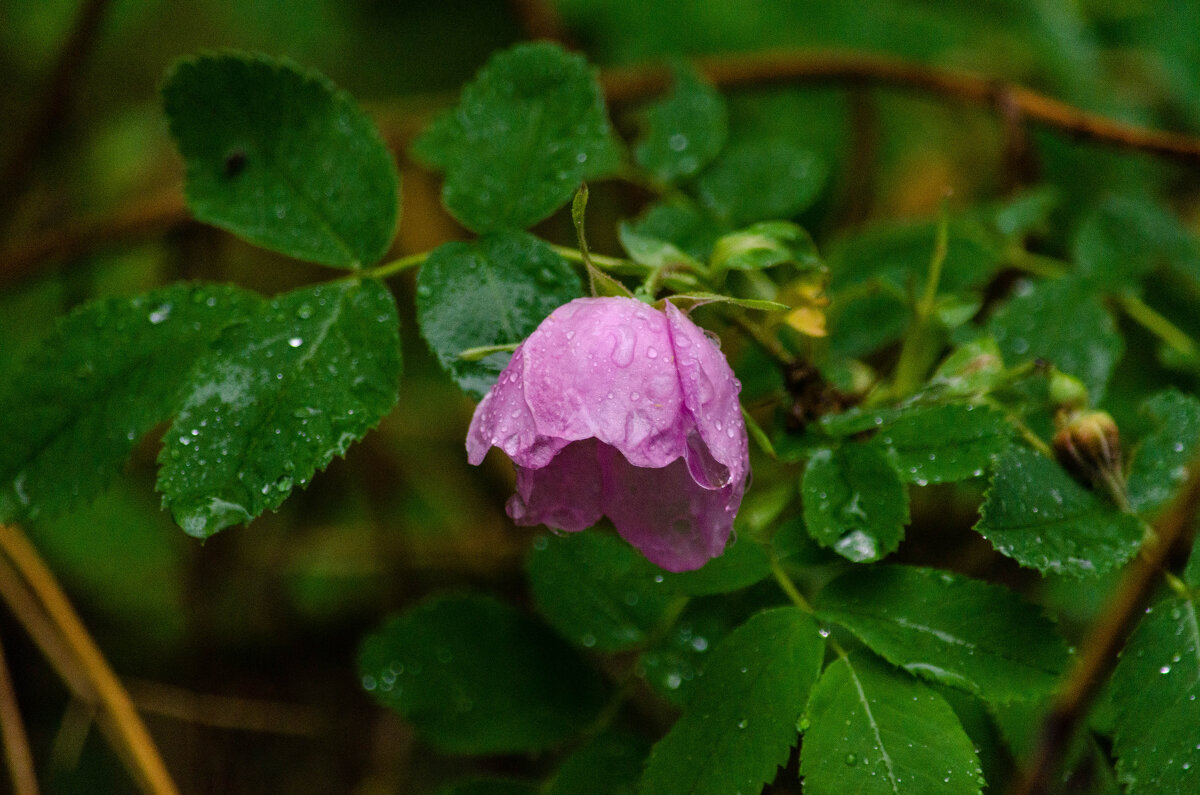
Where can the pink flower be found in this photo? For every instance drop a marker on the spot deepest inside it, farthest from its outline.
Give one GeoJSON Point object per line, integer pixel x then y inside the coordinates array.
{"type": "Point", "coordinates": [612, 408]}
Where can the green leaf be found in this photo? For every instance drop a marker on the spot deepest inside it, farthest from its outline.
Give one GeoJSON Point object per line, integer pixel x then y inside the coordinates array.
{"type": "Point", "coordinates": [741, 722]}
{"type": "Point", "coordinates": [761, 180]}
{"type": "Point", "coordinates": [651, 251]}
{"type": "Point", "coordinates": [688, 301]}
{"type": "Point", "coordinates": [474, 676]}
{"type": "Point", "coordinates": [765, 245]}
{"type": "Point", "coordinates": [597, 590]}
{"type": "Point", "coordinates": [280, 157]}
{"type": "Point", "coordinates": [950, 629]}
{"type": "Point", "coordinates": [527, 130]}
{"type": "Point", "coordinates": [1123, 238]}
{"type": "Point", "coordinates": [111, 371]}
{"type": "Point", "coordinates": [854, 501]}
{"type": "Point", "coordinates": [871, 730]}
{"type": "Point", "coordinates": [1160, 463]}
{"type": "Point", "coordinates": [610, 765]}
{"type": "Point", "coordinates": [684, 131]}
{"type": "Point", "coordinates": [1037, 515]}
{"type": "Point", "coordinates": [1156, 691]}
{"type": "Point", "coordinates": [493, 291]}
{"type": "Point", "coordinates": [1063, 322]}
{"type": "Point", "coordinates": [743, 564]}
{"type": "Point", "coordinates": [281, 394]}
{"type": "Point", "coordinates": [682, 223]}
{"type": "Point", "coordinates": [942, 444]}
{"type": "Point", "coordinates": [672, 665]}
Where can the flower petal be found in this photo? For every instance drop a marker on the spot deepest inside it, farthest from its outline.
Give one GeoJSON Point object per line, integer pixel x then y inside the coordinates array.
{"type": "Point", "coordinates": [710, 395]}
{"type": "Point", "coordinates": [605, 368]}
{"type": "Point", "coordinates": [675, 522]}
{"type": "Point", "coordinates": [503, 419]}
{"type": "Point", "coordinates": [564, 494]}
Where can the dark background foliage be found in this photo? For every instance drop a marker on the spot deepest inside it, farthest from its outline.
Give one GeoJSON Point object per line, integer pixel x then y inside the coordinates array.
{"type": "Point", "coordinates": [241, 651]}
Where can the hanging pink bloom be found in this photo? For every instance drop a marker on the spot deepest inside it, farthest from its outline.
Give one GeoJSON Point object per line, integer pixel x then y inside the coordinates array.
{"type": "Point", "coordinates": [612, 408]}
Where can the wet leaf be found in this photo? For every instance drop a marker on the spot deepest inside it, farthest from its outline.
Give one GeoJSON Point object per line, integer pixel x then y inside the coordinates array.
{"type": "Point", "coordinates": [741, 721]}
{"type": "Point", "coordinates": [1063, 322]}
{"type": "Point", "coordinates": [942, 444]}
{"type": "Point", "coordinates": [1160, 463]}
{"type": "Point", "coordinates": [761, 181]}
{"type": "Point", "coordinates": [611, 764]}
{"type": "Point", "coordinates": [112, 370]}
{"type": "Point", "coordinates": [765, 245]}
{"type": "Point", "coordinates": [474, 676]}
{"type": "Point", "coordinates": [527, 130]}
{"type": "Point", "coordinates": [1036, 514]}
{"type": "Point", "coordinates": [684, 131]}
{"type": "Point", "coordinates": [1156, 691]}
{"type": "Point", "coordinates": [597, 590]}
{"type": "Point", "coordinates": [854, 501]}
{"type": "Point", "coordinates": [873, 730]}
{"type": "Point", "coordinates": [280, 157]}
{"type": "Point", "coordinates": [493, 291]}
{"type": "Point", "coordinates": [1123, 238]}
{"type": "Point", "coordinates": [949, 629]}
{"type": "Point", "coordinates": [743, 564]}
{"type": "Point", "coordinates": [277, 398]}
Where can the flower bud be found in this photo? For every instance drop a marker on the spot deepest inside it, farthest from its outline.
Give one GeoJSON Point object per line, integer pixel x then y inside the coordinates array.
{"type": "Point", "coordinates": [1088, 445]}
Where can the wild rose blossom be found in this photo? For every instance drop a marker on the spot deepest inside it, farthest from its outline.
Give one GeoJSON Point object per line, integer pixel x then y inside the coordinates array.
{"type": "Point", "coordinates": [612, 408]}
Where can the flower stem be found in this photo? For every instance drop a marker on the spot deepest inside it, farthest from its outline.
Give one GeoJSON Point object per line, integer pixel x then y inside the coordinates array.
{"type": "Point", "coordinates": [1161, 327]}
{"type": "Point", "coordinates": [389, 269]}
{"type": "Point", "coordinates": [789, 587]}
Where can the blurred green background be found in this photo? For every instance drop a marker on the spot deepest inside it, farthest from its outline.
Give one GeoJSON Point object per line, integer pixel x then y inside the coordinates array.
{"type": "Point", "coordinates": [268, 617]}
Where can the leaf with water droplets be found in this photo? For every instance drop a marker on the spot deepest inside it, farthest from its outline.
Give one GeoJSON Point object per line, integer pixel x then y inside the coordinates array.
{"type": "Point", "coordinates": [761, 180]}
{"type": "Point", "coordinates": [854, 501]}
{"type": "Point", "coordinates": [526, 131]}
{"type": "Point", "coordinates": [942, 444]}
{"type": "Point", "coordinates": [1160, 463]}
{"type": "Point", "coordinates": [111, 371]}
{"type": "Point", "coordinates": [684, 131]}
{"type": "Point", "coordinates": [280, 157]}
{"type": "Point", "coordinates": [741, 720]}
{"type": "Point", "coordinates": [1037, 515]}
{"type": "Point", "coordinates": [597, 590]}
{"type": "Point", "coordinates": [673, 665]}
{"type": "Point", "coordinates": [276, 399]}
{"type": "Point", "coordinates": [1064, 322]}
{"type": "Point", "coordinates": [475, 676]}
{"type": "Point", "coordinates": [493, 291]}
{"type": "Point", "coordinates": [874, 730]}
{"type": "Point", "coordinates": [1156, 692]}
{"type": "Point", "coordinates": [950, 629]}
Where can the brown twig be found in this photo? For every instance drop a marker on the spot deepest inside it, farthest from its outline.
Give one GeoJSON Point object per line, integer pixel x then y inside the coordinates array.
{"type": "Point", "coordinates": [137, 221]}
{"type": "Point", "coordinates": [624, 84]}
{"type": "Point", "coordinates": [135, 744]}
{"type": "Point", "coordinates": [773, 68]}
{"type": "Point", "coordinates": [16, 745]}
{"type": "Point", "coordinates": [75, 50]}
{"type": "Point", "coordinates": [225, 712]}
{"type": "Point", "coordinates": [1173, 538]}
